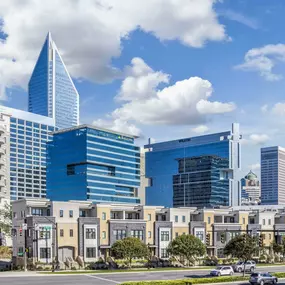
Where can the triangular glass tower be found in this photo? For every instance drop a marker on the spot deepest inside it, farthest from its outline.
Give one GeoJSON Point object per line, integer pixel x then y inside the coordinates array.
{"type": "Point", "coordinates": [51, 89]}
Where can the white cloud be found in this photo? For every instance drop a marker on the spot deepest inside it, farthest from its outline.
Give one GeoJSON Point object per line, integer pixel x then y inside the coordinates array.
{"type": "Point", "coordinates": [279, 109]}
{"type": "Point", "coordinates": [200, 129]}
{"type": "Point", "coordinates": [254, 167]}
{"type": "Point", "coordinates": [185, 102]}
{"type": "Point", "coordinates": [119, 126]}
{"type": "Point", "coordinates": [263, 60]}
{"type": "Point", "coordinates": [264, 108]}
{"type": "Point", "coordinates": [258, 139]}
{"type": "Point", "coordinates": [89, 33]}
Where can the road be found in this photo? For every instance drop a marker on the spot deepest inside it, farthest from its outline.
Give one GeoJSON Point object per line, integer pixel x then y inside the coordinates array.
{"type": "Point", "coordinates": [114, 278]}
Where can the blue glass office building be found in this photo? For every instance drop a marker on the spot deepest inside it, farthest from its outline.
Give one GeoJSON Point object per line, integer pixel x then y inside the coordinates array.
{"type": "Point", "coordinates": [26, 139]}
{"type": "Point", "coordinates": [215, 170]}
{"type": "Point", "coordinates": [90, 163]}
{"type": "Point", "coordinates": [51, 89]}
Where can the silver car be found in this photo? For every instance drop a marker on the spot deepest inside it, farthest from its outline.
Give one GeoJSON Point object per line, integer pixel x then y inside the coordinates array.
{"type": "Point", "coordinates": [262, 278]}
{"type": "Point", "coordinates": [249, 266]}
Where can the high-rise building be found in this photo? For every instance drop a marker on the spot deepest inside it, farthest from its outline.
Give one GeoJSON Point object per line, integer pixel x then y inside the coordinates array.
{"type": "Point", "coordinates": [273, 175]}
{"type": "Point", "coordinates": [144, 181]}
{"type": "Point", "coordinates": [51, 89]}
{"type": "Point", "coordinates": [201, 182]}
{"type": "Point", "coordinates": [163, 161]}
{"type": "Point", "coordinates": [250, 191]}
{"type": "Point", "coordinates": [23, 153]}
{"type": "Point", "coordinates": [91, 163]}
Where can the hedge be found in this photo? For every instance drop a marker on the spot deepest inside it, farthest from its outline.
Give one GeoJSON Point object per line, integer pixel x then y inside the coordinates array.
{"type": "Point", "coordinates": [191, 281]}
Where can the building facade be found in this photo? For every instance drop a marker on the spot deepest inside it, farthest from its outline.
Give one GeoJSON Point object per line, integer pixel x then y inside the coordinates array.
{"type": "Point", "coordinates": [90, 163]}
{"type": "Point", "coordinates": [250, 192]}
{"type": "Point", "coordinates": [273, 175]}
{"type": "Point", "coordinates": [51, 89]}
{"type": "Point", "coordinates": [165, 160]}
{"type": "Point", "coordinates": [24, 147]}
{"type": "Point", "coordinates": [80, 232]}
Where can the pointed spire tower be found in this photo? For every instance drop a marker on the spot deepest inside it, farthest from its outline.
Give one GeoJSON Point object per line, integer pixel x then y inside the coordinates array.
{"type": "Point", "coordinates": [51, 90]}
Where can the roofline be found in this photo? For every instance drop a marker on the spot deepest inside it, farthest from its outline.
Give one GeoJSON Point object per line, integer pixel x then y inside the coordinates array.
{"type": "Point", "coordinates": [94, 128]}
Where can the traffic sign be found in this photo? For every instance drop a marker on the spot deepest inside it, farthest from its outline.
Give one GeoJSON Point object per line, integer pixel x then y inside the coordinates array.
{"type": "Point", "coordinates": [24, 226]}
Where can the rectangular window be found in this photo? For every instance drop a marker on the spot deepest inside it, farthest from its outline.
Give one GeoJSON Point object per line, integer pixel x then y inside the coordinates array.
{"type": "Point", "coordinates": [149, 234]}
{"type": "Point", "coordinates": [243, 220]}
{"type": "Point", "coordinates": [61, 233]}
{"type": "Point", "coordinates": [90, 252]}
{"type": "Point", "coordinates": [209, 220]}
{"type": "Point", "coordinates": [45, 252]}
{"type": "Point", "coordinates": [149, 217]}
{"type": "Point", "coordinates": [164, 253]}
{"type": "Point", "coordinates": [37, 212]}
{"type": "Point", "coordinates": [70, 213]}
{"type": "Point", "coordinates": [263, 222]}
{"type": "Point", "coordinates": [61, 213]}
{"type": "Point", "coordinates": [183, 219]}
{"type": "Point", "coordinates": [176, 234]}
{"type": "Point", "coordinates": [269, 222]}
{"type": "Point", "coordinates": [82, 213]}
{"type": "Point", "coordinates": [176, 219]}
{"type": "Point", "coordinates": [103, 235]}
{"type": "Point", "coordinates": [120, 234]}
{"type": "Point", "coordinates": [137, 234]}
{"type": "Point", "coordinates": [71, 233]}
{"type": "Point", "coordinates": [164, 236]}
{"type": "Point", "coordinates": [104, 216]}
{"type": "Point", "coordinates": [90, 233]}
{"type": "Point", "coordinates": [200, 235]}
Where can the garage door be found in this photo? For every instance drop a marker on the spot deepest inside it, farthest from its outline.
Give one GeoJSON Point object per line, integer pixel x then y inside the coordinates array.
{"type": "Point", "coordinates": [65, 252]}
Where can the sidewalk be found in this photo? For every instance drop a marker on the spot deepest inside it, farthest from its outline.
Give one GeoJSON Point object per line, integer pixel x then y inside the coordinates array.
{"type": "Point", "coordinates": [18, 274]}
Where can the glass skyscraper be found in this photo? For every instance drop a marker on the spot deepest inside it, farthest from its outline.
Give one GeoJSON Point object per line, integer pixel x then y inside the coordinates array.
{"type": "Point", "coordinates": [90, 163]}
{"type": "Point", "coordinates": [273, 175]}
{"type": "Point", "coordinates": [219, 155]}
{"type": "Point", "coordinates": [25, 136]}
{"type": "Point", "coordinates": [51, 89]}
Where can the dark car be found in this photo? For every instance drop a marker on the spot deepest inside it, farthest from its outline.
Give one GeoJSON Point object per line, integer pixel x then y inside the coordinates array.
{"type": "Point", "coordinates": [262, 278]}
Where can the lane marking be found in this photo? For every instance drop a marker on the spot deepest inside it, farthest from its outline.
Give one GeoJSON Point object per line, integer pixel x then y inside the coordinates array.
{"type": "Point", "coordinates": [103, 279]}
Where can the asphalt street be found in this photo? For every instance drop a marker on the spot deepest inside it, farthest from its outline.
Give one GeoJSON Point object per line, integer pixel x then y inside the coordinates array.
{"type": "Point", "coordinates": [114, 278]}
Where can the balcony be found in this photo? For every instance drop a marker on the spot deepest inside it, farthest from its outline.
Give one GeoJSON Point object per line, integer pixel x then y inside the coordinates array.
{"type": "Point", "coordinates": [2, 129]}
{"type": "Point", "coordinates": [2, 150]}
{"type": "Point", "coordinates": [2, 161]}
{"type": "Point", "coordinates": [2, 140]}
{"type": "Point", "coordinates": [3, 172]}
{"type": "Point", "coordinates": [2, 183]}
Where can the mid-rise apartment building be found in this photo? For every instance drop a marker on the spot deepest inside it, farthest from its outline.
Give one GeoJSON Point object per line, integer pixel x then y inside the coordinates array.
{"type": "Point", "coordinates": [94, 164]}
{"type": "Point", "coordinates": [51, 90]}
{"type": "Point", "coordinates": [80, 231]}
{"type": "Point", "coordinates": [273, 175]}
{"type": "Point", "coordinates": [176, 170]}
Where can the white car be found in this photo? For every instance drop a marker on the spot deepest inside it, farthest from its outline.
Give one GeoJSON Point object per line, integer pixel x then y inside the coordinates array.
{"type": "Point", "coordinates": [222, 270]}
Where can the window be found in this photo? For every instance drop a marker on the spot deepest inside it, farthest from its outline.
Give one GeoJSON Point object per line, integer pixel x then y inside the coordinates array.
{"type": "Point", "coordinates": [119, 234]}
{"type": "Point", "coordinates": [61, 233]}
{"type": "Point", "coordinates": [90, 233]}
{"type": "Point", "coordinates": [71, 233]}
{"type": "Point", "coordinates": [90, 252]}
{"type": "Point", "coordinates": [164, 253]}
{"type": "Point", "coordinates": [61, 213]}
{"type": "Point", "coordinates": [176, 219]}
{"type": "Point", "coordinates": [104, 216]}
{"type": "Point", "coordinates": [45, 252]}
{"type": "Point", "coordinates": [14, 215]}
{"type": "Point", "coordinates": [176, 235]}
{"type": "Point", "coordinates": [37, 212]}
{"type": "Point", "coordinates": [149, 234]}
{"type": "Point", "coordinates": [270, 236]}
{"type": "Point", "coordinates": [48, 212]}
{"type": "Point", "coordinates": [243, 220]}
{"type": "Point", "coordinates": [209, 220]}
{"type": "Point", "coordinates": [70, 213]}
{"type": "Point", "coordinates": [82, 213]}
{"type": "Point", "coordinates": [269, 222]}
{"type": "Point", "coordinates": [44, 233]}
{"type": "Point", "coordinates": [183, 219]}
{"type": "Point", "coordinates": [149, 217]}
{"type": "Point", "coordinates": [200, 235]}
{"type": "Point", "coordinates": [137, 234]}
{"type": "Point", "coordinates": [104, 235]}
{"type": "Point", "coordinates": [263, 221]}
{"type": "Point", "coordinates": [164, 236]}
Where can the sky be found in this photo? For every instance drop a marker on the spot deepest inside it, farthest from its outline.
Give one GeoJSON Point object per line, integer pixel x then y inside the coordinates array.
{"type": "Point", "coordinates": [160, 69]}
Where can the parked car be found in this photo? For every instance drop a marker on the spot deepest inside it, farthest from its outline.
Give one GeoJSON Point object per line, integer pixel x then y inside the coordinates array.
{"type": "Point", "coordinates": [249, 266]}
{"type": "Point", "coordinates": [262, 278]}
{"type": "Point", "coordinates": [222, 270]}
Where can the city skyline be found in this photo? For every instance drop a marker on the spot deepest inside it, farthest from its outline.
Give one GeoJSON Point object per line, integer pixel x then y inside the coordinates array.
{"type": "Point", "coordinates": [215, 59]}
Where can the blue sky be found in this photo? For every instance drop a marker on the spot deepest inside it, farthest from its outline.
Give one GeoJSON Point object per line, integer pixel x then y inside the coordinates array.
{"type": "Point", "coordinates": [169, 46]}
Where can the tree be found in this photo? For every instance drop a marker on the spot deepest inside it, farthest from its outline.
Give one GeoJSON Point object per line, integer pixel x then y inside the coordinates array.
{"type": "Point", "coordinates": [6, 219]}
{"type": "Point", "coordinates": [242, 247]}
{"type": "Point", "coordinates": [129, 248]}
{"type": "Point", "coordinates": [187, 246]}
{"type": "Point", "coordinates": [279, 248]}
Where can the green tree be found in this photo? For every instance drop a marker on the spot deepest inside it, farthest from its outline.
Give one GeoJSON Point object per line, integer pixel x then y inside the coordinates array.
{"type": "Point", "coordinates": [129, 248]}
{"type": "Point", "coordinates": [6, 219]}
{"type": "Point", "coordinates": [242, 247]}
{"type": "Point", "coordinates": [188, 247]}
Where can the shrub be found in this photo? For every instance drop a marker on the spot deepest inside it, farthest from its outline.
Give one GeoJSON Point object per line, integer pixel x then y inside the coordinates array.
{"type": "Point", "coordinates": [73, 268]}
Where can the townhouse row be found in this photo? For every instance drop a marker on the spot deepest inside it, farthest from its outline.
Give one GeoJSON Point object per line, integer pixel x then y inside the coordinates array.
{"type": "Point", "coordinates": [76, 230]}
